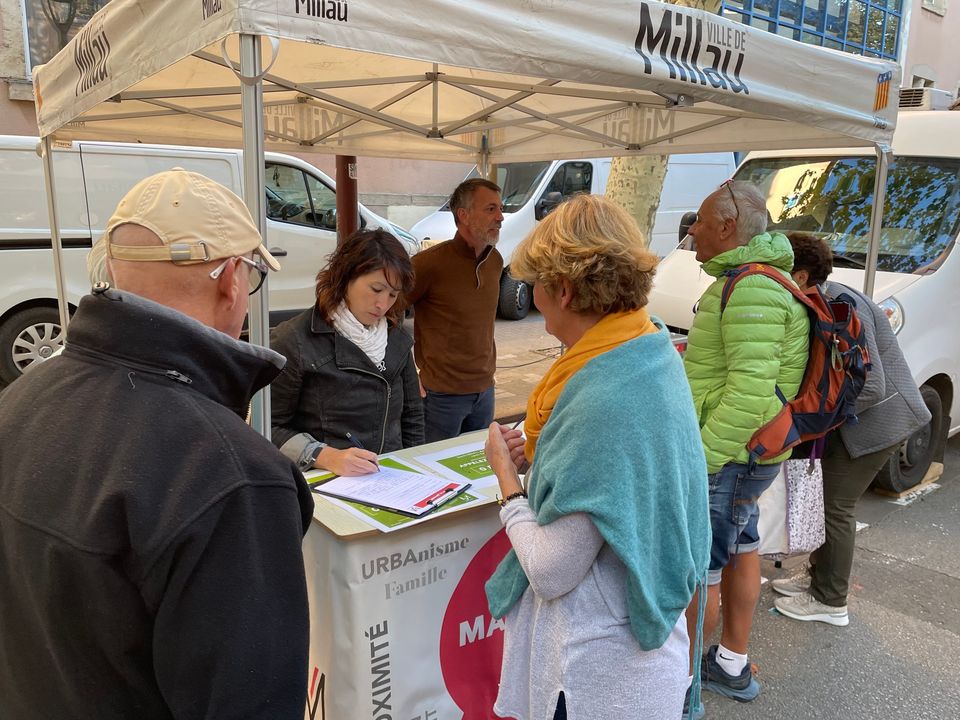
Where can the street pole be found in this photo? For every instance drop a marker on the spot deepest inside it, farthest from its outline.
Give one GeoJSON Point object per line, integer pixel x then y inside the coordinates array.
{"type": "Point", "coordinates": [347, 209]}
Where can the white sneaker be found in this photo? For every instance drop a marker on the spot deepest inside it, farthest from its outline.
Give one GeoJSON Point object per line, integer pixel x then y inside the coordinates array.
{"type": "Point", "coordinates": [806, 607]}
{"type": "Point", "coordinates": [793, 586]}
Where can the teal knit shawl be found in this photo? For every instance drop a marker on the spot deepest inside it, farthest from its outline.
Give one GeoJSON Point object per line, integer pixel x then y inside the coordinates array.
{"type": "Point", "coordinates": [623, 444]}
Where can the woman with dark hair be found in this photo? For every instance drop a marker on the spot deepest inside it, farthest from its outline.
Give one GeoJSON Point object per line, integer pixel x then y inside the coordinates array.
{"type": "Point", "coordinates": [889, 410]}
{"type": "Point", "coordinates": [349, 390]}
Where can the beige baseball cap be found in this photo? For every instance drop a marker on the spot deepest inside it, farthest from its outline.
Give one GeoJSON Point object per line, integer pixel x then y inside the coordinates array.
{"type": "Point", "coordinates": [197, 219]}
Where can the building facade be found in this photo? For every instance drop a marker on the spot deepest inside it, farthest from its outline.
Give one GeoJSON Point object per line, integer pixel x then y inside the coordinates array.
{"type": "Point", "coordinates": [871, 27]}
{"type": "Point", "coordinates": [916, 33]}
{"type": "Point", "coordinates": [931, 58]}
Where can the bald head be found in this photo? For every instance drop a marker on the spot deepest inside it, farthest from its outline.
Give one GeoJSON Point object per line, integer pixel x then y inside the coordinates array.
{"type": "Point", "coordinates": [220, 303]}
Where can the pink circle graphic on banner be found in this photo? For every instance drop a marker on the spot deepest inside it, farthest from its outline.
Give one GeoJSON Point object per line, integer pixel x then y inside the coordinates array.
{"type": "Point", "coordinates": [471, 640]}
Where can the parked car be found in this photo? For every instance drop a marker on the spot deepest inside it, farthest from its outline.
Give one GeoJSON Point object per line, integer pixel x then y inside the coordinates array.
{"type": "Point", "coordinates": [829, 192]}
{"type": "Point", "coordinates": [532, 189]}
{"type": "Point", "coordinates": [90, 180]}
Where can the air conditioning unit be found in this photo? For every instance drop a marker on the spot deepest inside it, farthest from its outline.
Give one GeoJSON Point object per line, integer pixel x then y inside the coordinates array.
{"type": "Point", "coordinates": [925, 99]}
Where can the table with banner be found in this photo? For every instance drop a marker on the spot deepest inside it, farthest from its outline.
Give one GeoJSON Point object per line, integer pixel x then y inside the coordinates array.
{"type": "Point", "coordinates": [399, 624]}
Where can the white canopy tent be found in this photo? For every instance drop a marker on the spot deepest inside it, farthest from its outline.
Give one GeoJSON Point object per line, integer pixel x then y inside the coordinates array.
{"type": "Point", "coordinates": [535, 79]}
{"type": "Point", "coordinates": [470, 81]}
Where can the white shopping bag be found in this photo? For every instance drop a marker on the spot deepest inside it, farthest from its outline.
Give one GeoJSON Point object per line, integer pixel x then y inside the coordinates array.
{"type": "Point", "coordinates": [772, 523]}
{"type": "Point", "coordinates": [791, 510]}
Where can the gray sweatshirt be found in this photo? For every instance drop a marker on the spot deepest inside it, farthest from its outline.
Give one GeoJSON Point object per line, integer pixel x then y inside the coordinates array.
{"type": "Point", "coordinates": [570, 631]}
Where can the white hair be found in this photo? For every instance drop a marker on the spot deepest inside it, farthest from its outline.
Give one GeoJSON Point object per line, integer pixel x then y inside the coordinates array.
{"type": "Point", "coordinates": [743, 202]}
{"type": "Point", "coordinates": [97, 262]}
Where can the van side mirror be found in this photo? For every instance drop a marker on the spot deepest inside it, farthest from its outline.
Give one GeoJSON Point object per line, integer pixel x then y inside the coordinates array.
{"type": "Point", "coordinates": [547, 203]}
{"type": "Point", "coordinates": [688, 219]}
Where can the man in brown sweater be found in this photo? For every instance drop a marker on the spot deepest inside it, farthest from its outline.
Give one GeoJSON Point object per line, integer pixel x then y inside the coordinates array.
{"type": "Point", "coordinates": [457, 287]}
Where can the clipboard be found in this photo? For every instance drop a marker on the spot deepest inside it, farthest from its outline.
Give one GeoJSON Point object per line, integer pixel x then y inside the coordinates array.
{"type": "Point", "coordinates": [407, 493]}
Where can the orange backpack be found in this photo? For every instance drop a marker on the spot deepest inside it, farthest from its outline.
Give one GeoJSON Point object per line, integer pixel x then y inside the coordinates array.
{"type": "Point", "coordinates": [836, 368]}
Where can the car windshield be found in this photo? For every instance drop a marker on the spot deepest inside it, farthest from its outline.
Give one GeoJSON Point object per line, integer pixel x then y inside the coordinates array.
{"type": "Point", "coordinates": [517, 182]}
{"type": "Point", "coordinates": [832, 198]}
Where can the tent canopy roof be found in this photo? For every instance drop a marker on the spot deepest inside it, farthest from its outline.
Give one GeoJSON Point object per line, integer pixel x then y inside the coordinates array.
{"type": "Point", "coordinates": [442, 80]}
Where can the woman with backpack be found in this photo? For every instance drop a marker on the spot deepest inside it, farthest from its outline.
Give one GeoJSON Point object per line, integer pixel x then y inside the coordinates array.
{"type": "Point", "coordinates": [889, 409]}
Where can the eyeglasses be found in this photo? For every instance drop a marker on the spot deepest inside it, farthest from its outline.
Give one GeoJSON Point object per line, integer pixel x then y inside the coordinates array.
{"type": "Point", "coordinates": [256, 280]}
{"type": "Point", "coordinates": [728, 184]}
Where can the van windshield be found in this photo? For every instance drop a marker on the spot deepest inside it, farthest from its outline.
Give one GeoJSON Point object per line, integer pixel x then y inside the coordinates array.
{"type": "Point", "coordinates": [832, 197]}
{"type": "Point", "coordinates": [517, 182]}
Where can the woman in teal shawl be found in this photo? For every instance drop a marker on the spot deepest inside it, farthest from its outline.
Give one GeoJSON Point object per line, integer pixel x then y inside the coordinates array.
{"type": "Point", "coordinates": [611, 537]}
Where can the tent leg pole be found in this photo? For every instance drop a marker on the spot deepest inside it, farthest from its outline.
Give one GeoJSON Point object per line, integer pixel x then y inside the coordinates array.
{"type": "Point", "coordinates": [876, 221]}
{"type": "Point", "coordinates": [46, 153]}
{"type": "Point", "coordinates": [251, 103]}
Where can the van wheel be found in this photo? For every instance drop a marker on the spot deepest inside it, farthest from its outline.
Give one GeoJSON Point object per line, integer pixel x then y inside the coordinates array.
{"type": "Point", "coordinates": [907, 467]}
{"type": "Point", "coordinates": [28, 337]}
{"type": "Point", "coordinates": [514, 298]}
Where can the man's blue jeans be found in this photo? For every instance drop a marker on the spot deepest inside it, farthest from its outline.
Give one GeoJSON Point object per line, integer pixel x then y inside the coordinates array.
{"type": "Point", "coordinates": [446, 415]}
{"type": "Point", "coordinates": [733, 512]}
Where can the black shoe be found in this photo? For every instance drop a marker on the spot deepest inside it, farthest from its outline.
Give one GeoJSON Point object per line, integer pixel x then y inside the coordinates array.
{"type": "Point", "coordinates": [743, 687]}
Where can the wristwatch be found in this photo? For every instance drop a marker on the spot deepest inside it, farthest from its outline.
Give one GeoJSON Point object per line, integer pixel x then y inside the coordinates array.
{"type": "Point", "coordinates": [316, 453]}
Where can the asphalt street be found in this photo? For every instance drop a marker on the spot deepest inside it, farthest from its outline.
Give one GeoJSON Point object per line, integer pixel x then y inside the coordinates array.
{"type": "Point", "coordinates": [899, 658]}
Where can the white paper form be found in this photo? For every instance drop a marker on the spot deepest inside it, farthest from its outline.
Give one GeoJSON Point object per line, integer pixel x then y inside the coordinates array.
{"type": "Point", "coordinates": [407, 492]}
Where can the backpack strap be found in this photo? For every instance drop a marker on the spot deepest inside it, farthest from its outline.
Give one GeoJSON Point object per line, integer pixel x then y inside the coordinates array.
{"type": "Point", "coordinates": [734, 275]}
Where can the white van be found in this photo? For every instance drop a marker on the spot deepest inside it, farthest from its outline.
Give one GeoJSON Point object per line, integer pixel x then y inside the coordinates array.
{"type": "Point", "coordinates": [531, 189]}
{"type": "Point", "coordinates": [830, 193]}
{"type": "Point", "coordinates": [90, 180]}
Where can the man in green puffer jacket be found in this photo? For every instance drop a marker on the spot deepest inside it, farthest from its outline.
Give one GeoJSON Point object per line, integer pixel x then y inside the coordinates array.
{"type": "Point", "coordinates": [735, 361]}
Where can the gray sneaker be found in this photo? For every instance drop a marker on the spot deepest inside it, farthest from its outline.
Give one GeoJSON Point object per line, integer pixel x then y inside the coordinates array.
{"type": "Point", "coordinates": [792, 586]}
{"type": "Point", "coordinates": [807, 607]}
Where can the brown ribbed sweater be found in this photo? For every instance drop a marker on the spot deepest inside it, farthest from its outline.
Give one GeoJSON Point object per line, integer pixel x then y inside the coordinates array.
{"type": "Point", "coordinates": [455, 298]}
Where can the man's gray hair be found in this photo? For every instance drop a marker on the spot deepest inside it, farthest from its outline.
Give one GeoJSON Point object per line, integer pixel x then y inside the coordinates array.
{"type": "Point", "coordinates": [743, 202]}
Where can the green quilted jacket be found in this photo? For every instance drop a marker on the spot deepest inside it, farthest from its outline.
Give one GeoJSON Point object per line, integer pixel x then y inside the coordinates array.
{"type": "Point", "coordinates": [735, 361]}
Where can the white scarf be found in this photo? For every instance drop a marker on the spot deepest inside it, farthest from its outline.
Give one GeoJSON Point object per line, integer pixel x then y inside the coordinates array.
{"type": "Point", "coordinates": [372, 340]}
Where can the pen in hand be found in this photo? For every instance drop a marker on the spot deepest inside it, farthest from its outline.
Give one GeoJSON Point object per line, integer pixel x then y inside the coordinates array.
{"type": "Point", "coordinates": [359, 445]}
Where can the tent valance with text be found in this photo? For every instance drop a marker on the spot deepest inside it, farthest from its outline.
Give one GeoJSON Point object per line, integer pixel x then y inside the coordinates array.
{"type": "Point", "coordinates": [434, 79]}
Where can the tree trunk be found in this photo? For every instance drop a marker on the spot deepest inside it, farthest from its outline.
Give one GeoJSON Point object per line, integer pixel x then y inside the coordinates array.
{"type": "Point", "coordinates": [635, 183]}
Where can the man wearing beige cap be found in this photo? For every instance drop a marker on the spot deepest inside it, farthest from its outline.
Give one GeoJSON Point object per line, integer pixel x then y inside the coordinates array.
{"type": "Point", "coordinates": [150, 541]}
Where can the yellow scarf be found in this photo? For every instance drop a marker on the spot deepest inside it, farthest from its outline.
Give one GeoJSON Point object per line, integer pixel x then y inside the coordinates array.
{"type": "Point", "coordinates": [611, 331]}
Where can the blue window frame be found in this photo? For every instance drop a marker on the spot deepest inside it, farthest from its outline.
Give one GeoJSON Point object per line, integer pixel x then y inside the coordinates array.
{"type": "Point", "coordinates": [862, 27]}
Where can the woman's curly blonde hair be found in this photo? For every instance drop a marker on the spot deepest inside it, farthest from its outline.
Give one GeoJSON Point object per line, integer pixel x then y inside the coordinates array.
{"type": "Point", "coordinates": [598, 247]}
